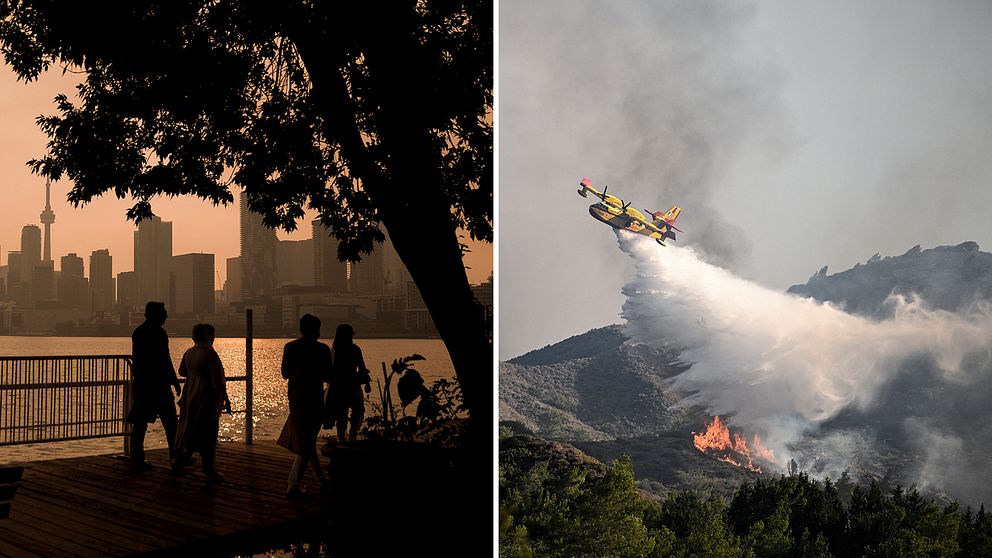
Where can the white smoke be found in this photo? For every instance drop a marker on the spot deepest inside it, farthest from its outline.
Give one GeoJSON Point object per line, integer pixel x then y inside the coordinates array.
{"type": "Point", "coordinates": [940, 453]}
{"type": "Point", "coordinates": [776, 364]}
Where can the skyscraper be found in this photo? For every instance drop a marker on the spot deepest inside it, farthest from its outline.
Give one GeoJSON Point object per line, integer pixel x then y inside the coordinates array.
{"type": "Point", "coordinates": [72, 265]}
{"type": "Point", "coordinates": [30, 247]}
{"type": "Point", "coordinates": [294, 262]}
{"type": "Point", "coordinates": [101, 281]}
{"type": "Point", "coordinates": [30, 250]}
{"type": "Point", "coordinates": [73, 290]}
{"type": "Point", "coordinates": [153, 259]}
{"type": "Point", "coordinates": [48, 218]}
{"type": "Point", "coordinates": [328, 272]}
{"type": "Point", "coordinates": [232, 286]}
{"type": "Point", "coordinates": [395, 275]}
{"type": "Point", "coordinates": [194, 281]}
{"type": "Point", "coordinates": [367, 277]}
{"type": "Point", "coordinates": [15, 287]}
{"type": "Point", "coordinates": [30, 258]}
{"type": "Point", "coordinates": [43, 282]}
{"type": "Point", "coordinates": [128, 293]}
{"type": "Point", "coordinates": [258, 256]}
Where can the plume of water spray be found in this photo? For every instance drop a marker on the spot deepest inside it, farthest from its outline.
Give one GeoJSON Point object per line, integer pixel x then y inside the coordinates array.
{"type": "Point", "coordinates": [781, 365]}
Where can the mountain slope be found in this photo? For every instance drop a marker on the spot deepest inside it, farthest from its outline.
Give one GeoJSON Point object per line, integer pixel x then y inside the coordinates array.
{"type": "Point", "coordinates": [950, 278]}
{"type": "Point", "coordinates": [593, 386]}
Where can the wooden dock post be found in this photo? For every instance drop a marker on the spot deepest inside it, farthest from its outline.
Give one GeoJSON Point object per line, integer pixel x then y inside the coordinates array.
{"type": "Point", "coordinates": [249, 423]}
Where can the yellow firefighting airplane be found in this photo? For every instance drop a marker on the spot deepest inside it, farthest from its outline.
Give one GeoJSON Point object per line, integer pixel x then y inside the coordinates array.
{"type": "Point", "coordinates": [614, 212]}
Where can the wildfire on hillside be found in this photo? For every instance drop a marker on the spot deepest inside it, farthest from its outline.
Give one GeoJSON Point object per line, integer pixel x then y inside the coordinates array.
{"type": "Point", "coordinates": [732, 447]}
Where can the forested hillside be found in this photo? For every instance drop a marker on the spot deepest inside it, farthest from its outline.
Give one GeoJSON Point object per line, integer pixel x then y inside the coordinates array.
{"type": "Point", "coordinates": [557, 502]}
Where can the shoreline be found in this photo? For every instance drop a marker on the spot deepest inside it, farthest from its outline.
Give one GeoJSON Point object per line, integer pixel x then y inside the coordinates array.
{"type": "Point", "coordinates": [175, 334]}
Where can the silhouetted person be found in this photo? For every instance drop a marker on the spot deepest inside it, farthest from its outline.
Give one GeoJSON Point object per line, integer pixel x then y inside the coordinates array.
{"type": "Point", "coordinates": [154, 380]}
{"type": "Point", "coordinates": [203, 400]}
{"type": "Point", "coordinates": [306, 363]}
{"type": "Point", "coordinates": [348, 375]}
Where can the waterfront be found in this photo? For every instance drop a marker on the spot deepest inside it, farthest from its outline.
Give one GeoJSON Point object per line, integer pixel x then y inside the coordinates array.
{"type": "Point", "coordinates": [270, 406]}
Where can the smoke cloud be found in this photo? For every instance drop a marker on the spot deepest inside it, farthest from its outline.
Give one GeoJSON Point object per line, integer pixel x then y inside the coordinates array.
{"type": "Point", "coordinates": [660, 101]}
{"type": "Point", "coordinates": [783, 366]}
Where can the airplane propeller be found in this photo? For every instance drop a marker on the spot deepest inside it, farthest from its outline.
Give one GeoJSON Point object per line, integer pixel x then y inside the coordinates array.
{"type": "Point", "coordinates": [602, 195]}
{"type": "Point", "coordinates": [625, 205]}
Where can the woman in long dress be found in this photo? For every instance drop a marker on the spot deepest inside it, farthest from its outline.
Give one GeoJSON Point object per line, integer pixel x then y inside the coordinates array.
{"type": "Point", "coordinates": [349, 374]}
{"type": "Point", "coordinates": [203, 399]}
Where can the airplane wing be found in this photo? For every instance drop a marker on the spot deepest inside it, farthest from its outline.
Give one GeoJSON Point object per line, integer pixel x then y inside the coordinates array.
{"type": "Point", "coordinates": [640, 219]}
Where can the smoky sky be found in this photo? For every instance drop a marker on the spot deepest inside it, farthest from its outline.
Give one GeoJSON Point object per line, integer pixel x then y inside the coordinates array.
{"type": "Point", "coordinates": [101, 224]}
{"type": "Point", "coordinates": [794, 135]}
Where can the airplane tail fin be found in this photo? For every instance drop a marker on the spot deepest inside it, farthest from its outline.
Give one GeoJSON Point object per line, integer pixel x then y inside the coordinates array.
{"type": "Point", "coordinates": [585, 185]}
{"type": "Point", "coordinates": [668, 217]}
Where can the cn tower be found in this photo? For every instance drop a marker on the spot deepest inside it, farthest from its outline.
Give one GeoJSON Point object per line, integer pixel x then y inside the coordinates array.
{"type": "Point", "coordinates": [47, 218]}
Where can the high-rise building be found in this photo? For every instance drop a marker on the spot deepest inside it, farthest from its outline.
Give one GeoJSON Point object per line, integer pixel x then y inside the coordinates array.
{"type": "Point", "coordinates": [483, 293]}
{"type": "Point", "coordinates": [328, 272]}
{"type": "Point", "coordinates": [72, 289]}
{"type": "Point", "coordinates": [101, 281]}
{"type": "Point", "coordinates": [367, 277]}
{"type": "Point", "coordinates": [30, 247]}
{"type": "Point", "coordinates": [394, 275]}
{"type": "Point", "coordinates": [194, 283]}
{"type": "Point", "coordinates": [15, 287]}
{"type": "Point", "coordinates": [48, 218]}
{"type": "Point", "coordinates": [72, 265]}
{"type": "Point", "coordinates": [258, 256]}
{"type": "Point", "coordinates": [30, 252]}
{"type": "Point", "coordinates": [73, 292]}
{"type": "Point", "coordinates": [128, 293]}
{"type": "Point", "coordinates": [232, 286]}
{"type": "Point", "coordinates": [153, 259]}
{"type": "Point", "coordinates": [294, 262]}
{"type": "Point", "coordinates": [43, 282]}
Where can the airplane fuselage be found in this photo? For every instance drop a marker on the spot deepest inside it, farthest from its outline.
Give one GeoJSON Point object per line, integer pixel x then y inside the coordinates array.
{"type": "Point", "coordinates": [619, 218]}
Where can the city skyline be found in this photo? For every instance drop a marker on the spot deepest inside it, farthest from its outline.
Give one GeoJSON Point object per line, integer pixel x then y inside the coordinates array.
{"type": "Point", "coordinates": [279, 279]}
{"type": "Point", "coordinates": [92, 227]}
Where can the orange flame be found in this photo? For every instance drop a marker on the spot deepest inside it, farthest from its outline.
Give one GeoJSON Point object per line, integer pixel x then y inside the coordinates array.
{"type": "Point", "coordinates": [732, 448]}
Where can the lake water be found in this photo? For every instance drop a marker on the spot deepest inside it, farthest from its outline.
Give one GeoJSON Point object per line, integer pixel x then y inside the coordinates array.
{"type": "Point", "coordinates": [270, 405]}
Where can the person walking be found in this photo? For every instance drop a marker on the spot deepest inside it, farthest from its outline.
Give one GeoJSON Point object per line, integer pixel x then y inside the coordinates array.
{"type": "Point", "coordinates": [348, 375]}
{"type": "Point", "coordinates": [154, 378]}
{"type": "Point", "coordinates": [306, 363]}
{"type": "Point", "coordinates": [202, 401]}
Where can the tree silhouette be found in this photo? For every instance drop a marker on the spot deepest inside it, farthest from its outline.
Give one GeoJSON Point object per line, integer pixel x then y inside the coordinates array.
{"type": "Point", "coordinates": [368, 113]}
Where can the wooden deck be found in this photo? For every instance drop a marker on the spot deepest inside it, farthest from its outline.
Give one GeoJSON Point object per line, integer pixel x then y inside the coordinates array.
{"type": "Point", "coordinates": [96, 506]}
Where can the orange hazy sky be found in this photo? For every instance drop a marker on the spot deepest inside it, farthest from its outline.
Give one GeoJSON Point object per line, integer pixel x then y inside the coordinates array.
{"type": "Point", "coordinates": [102, 223]}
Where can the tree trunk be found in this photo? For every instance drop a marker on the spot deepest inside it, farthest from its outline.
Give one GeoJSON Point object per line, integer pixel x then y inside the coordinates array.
{"type": "Point", "coordinates": [409, 194]}
{"type": "Point", "coordinates": [426, 241]}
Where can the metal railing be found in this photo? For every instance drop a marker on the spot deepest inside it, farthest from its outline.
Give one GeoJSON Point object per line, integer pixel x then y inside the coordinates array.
{"type": "Point", "coordinates": [58, 398]}
{"type": "Point", "coordinates": [55, 398]}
